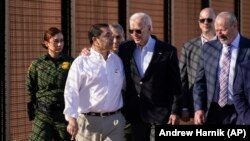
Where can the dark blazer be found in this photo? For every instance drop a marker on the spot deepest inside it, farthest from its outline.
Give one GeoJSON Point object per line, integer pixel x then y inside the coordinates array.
{"type": "Point", "coordinates": [154, 96]}
{"type": "Point", "coordinates": [242, 93]}
{"type": "Point", "coordinates": [188, 62]}
{"type": "Point", "coordinates": [206, 78]}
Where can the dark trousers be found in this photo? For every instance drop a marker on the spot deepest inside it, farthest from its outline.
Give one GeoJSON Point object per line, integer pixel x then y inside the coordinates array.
{"type": "Point", "coordinates": [221, 115]}
{"type": "Point", "coordinates": [128, 132]}
{"type": "Point", "coordinates": [142, 131]}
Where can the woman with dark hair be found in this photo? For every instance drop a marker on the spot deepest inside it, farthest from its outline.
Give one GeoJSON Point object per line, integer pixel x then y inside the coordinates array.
{"type": "Point", "coordinates": [45, 85]}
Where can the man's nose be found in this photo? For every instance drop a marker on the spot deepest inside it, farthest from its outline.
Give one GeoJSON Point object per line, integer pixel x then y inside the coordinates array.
{"type": "Point", "coordinates": [115, 40]}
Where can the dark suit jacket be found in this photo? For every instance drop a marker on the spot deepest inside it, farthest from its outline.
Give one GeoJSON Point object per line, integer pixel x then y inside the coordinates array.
{"type": "Point", "coordinates": [189, 58]}
{"type": "Point", "coordinates": [206, 78]}
{"type": "Point", "coordinates": [154, 96]}
{"type": "Point", "coordinates": [242, 93]}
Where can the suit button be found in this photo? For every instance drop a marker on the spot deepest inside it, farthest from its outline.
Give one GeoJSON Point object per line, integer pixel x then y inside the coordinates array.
{"type": "Point", "coordinates": [138, 95]}
{"type": "Point", "coordinates": [141, 82]}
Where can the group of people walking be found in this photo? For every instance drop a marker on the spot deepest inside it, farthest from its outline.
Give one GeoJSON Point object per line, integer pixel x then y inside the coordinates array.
{"type": "Point", "coordinates": [120, 90]}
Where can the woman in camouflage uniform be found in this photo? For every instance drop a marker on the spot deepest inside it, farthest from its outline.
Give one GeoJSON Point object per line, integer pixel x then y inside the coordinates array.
{"type": "Point", "coordinates": [45, 85]}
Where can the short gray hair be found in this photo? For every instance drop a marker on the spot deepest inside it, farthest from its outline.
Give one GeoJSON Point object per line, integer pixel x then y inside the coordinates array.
{"type": "Point", "coordinates": [118, 27]}
{"type": "Point", "coordinates": [230, 17]}
{"type": "Point", "coordinates": [145, 18]}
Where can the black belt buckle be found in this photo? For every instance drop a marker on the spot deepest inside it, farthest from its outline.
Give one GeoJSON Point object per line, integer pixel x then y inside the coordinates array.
{"type": "Point", "coordinates": [101, 114]}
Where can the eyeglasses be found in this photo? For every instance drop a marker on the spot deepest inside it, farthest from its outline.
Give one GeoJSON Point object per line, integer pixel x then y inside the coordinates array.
{"type": "Point", "coordinates": [138, 31]}
{"type": "Point", "coordinates": [208, 20]}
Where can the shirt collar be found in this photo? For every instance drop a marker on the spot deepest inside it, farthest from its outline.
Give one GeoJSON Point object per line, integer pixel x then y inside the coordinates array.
{"type": "Point", "coordinates": [48, 57]}
{"type": "Point", "coordinates": [204, 40]}
{"type": "Point", "coordinates": [97, 54]}
{"type": "Point", "coordinates": [236, 41]}
{"type": "Point", "coordinates": [150, 45]}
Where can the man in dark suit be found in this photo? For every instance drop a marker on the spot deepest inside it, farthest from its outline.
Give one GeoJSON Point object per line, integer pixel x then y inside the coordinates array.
{"type": "Point", "coordinates": [242, 93]}
{"type": "Point", "coordinates": [152, 92]}
{"type": "Point", "coordinates": [189, 58]}
{"type": "Point", "coordinates": [209, 86]}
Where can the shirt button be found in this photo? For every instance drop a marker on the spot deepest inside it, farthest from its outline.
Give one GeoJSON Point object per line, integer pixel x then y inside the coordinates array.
{"type": "Point", "coordinates": [138, 95]}
{"type": "Point", "coordinates": [141, 82]}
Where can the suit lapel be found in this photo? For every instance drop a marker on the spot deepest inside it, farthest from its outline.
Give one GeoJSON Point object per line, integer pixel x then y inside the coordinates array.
{"type": "Point", "coordinates": [242, 50]}
{"type": "Point", "coordinates": [135, 75]}
{"type": "Point", "coordinates": [215, 52]}
{"type": "Point", "coordinates": [216, 59]}
{"type": "Point", "coordinates": [134, 68]}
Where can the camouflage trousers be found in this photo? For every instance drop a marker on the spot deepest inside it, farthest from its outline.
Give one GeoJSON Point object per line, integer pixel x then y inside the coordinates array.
{"type": "Point", "coordinates": [45, 128]}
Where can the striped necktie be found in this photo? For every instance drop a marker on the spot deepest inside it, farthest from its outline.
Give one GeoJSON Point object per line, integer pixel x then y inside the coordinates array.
{"type": "Point", "coordinates": [224, 77]}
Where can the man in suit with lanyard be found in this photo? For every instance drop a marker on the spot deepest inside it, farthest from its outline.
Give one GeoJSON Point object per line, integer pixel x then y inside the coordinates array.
{"type": "Point", "coordinates": [213, 95]}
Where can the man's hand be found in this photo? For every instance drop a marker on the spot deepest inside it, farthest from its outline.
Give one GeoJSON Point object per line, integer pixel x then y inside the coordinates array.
{"type": "Point", "coordinates": [72, 127]}
{"type": "Point", "coordinates": [173, 119]}
{"type": "Point", "coordinates": [199, 117]}
{"type": "Point", "coordinates": [85, 52]}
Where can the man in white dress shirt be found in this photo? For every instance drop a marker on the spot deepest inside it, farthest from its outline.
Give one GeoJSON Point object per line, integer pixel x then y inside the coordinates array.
{"type": "Point", "coordinates": [92, 95]}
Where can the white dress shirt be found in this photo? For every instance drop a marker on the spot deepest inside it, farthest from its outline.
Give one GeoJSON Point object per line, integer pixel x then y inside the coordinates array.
{"type": "Point", "coordinates": [204, 40]}
{"type": "Point", "coordinates": [94, 84]}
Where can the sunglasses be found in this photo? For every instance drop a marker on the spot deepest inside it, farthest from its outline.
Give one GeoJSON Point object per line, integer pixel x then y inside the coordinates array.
{"type": "Point", "coordinates": [138, 31]}
{"type": "Point", "coordinates": [208, 20]}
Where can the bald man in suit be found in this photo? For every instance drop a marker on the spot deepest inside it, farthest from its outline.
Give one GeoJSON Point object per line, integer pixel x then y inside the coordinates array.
{"type": "Point", "coordinates": [189, 58]}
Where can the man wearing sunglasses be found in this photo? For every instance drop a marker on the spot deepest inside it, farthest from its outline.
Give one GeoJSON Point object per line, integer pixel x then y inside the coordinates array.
{"type": "Point", "coordinates": [189, 58]}
{"type": "Point", "coordinates": [152, 92]}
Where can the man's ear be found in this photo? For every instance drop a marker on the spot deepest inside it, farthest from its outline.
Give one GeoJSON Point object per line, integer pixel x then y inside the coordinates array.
{"type": "Point", "coordinates": [94, 39]}
{"type": "Point", "coordinates": [149, 29]}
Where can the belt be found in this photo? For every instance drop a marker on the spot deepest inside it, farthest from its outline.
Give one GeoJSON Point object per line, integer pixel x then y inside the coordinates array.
{"type": "Point", "coordinates": [102, 114]}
